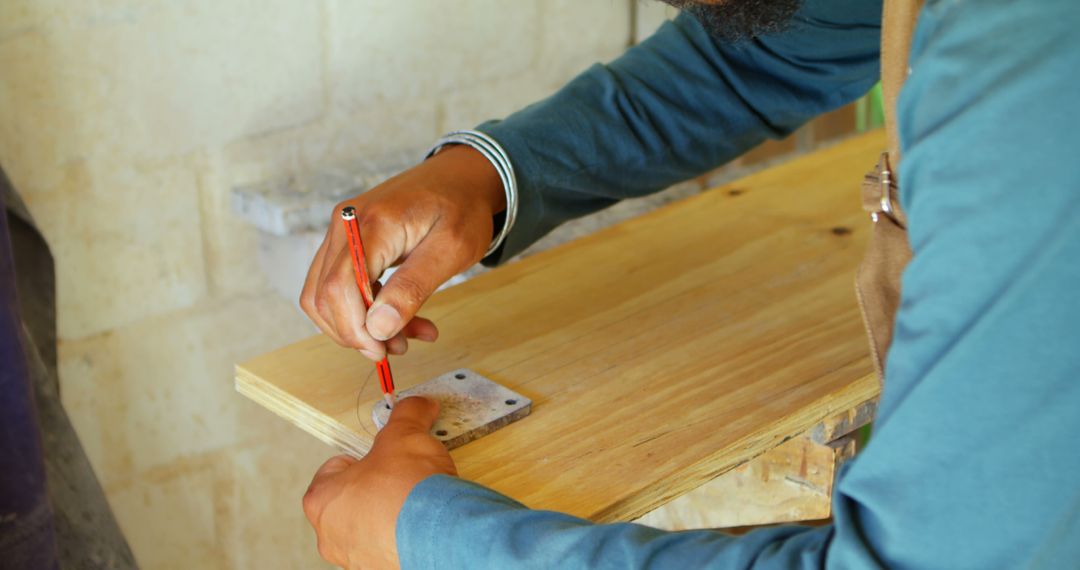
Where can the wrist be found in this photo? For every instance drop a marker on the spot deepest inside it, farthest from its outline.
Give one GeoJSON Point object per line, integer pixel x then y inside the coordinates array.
{"type": "Point", "coordinates": [474, 174]}
{"type": "Point", "coordinates": [494, 153]}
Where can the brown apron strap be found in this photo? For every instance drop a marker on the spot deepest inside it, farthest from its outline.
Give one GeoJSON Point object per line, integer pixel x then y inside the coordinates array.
{"type": "Point", "coordinates": [897, 27]}
{"type": "Point", "coordinates": [877, 284]}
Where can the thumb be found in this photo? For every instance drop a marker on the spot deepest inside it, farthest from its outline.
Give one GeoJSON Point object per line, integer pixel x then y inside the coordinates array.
{"type": "Point", "coordinates": [411, 415]}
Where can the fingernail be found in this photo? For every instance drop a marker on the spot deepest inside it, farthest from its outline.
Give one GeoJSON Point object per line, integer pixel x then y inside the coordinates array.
{"type": "Point", "coordinates": [383, 322]}
{"type": "Point", "coordinates": [370, 355]}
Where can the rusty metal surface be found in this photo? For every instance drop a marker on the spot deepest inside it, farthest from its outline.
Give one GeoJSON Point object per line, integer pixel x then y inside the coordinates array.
{"type": "Point", "coordinates": [472, 406]}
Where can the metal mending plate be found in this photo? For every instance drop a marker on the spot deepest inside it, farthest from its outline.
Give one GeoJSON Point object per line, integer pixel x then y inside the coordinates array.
{"type": "Point", "coordinates": [471, 406]}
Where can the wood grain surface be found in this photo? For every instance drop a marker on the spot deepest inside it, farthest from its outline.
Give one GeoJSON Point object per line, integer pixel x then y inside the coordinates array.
{"type": "Point", "coordinates": [659, 353]}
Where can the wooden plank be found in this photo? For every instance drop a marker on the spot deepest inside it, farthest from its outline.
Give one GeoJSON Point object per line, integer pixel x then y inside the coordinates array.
{"type": "Point", "coordinates": [658, 353]}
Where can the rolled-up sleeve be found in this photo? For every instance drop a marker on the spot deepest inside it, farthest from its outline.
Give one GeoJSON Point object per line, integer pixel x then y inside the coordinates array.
{"type": "Point", "coordinates": [451, 523]}
{"type": "Point", "coordinates": [679, 105]}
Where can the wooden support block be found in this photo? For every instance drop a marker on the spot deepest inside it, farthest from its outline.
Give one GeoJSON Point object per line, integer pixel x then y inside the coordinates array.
{"type": "Point", "coordinates": [789, 483]}
{"type": "Point", "coordinates": [839, 425]}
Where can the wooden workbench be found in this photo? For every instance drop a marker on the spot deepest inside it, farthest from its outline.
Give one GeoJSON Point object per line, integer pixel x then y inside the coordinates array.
{"type": "Point", "coordinates": [701, 365]}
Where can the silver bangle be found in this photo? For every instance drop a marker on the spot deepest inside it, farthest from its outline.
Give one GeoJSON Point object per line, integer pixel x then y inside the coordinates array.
{"type": "Point", "coordinates": [498, 158]}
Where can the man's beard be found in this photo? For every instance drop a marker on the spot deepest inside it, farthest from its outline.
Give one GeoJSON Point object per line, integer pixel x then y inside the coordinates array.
{"type": "Point", "coordinates": [736, 20]}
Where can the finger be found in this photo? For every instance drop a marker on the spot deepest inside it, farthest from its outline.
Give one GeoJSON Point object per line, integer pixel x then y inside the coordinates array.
{"type": "Point", "coordinates": [423, 271]}
{"type": "Point", "coordinates": [411, 415]}
{"type": "Point", "coordinates": [385, 241]}
{"type": "Point", "coordinates": [308, 294]}
{"type": "Point", "coordinates": [347, 310]}
{"type": "Point", "coordinates": [418, 328]}
{"type": "Point", "coordinates": [421, 329]}
{"type": "Point", "coordinates": [329, 285]}
{"type": "Point", "coordinates": [397, 345]}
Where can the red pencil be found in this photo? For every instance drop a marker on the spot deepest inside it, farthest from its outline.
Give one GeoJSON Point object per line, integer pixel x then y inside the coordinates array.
{"type": "Point", "coordinates": [356, 248]}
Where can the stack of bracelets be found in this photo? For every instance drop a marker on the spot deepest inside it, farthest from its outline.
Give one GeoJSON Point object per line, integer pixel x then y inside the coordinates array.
{"type": "Point", "coordinates": [495, 154]}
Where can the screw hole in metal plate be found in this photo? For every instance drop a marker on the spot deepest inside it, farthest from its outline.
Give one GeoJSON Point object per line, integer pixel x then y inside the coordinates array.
{"type": "Point", "coordinates": [511, 402]}
{"type": "Point", "coordinates": [459, 376]}
{"type": "Point", "coordinates": [441, 432]}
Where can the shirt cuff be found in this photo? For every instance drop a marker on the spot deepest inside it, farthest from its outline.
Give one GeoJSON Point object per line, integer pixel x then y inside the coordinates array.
{"type": "Point", "coordinates": [529, 226]}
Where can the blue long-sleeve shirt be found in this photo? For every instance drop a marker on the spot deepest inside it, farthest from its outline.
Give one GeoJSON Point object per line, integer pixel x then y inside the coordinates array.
{"type": "Point", "coordinates": [974, 461]}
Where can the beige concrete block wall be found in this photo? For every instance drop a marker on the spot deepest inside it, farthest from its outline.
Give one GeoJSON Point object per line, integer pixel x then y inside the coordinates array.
{"type": "Point", "coordinates": [125, 123]}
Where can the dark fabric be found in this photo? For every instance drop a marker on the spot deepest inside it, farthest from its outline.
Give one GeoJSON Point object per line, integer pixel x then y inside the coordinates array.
{"type": "Point", "coordinates": [27, 538]}
{"type": "Point", "coordinates": [35, 283]}
{"type": "Point", "coordinates": [70, 524]}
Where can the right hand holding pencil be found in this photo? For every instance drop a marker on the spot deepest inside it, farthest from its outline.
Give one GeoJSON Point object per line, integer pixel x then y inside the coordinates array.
{"type": "Point", "coordinates": [434, 220]}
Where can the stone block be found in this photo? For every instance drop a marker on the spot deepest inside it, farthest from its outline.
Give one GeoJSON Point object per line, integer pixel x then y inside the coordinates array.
{"type": "Point", "coordinates": [169, 517]}
{"type": "Point", "coordinates": [164, 78]}
{"type": "Point", "coordinates": [382, 52]}
{"type": "Point", "coordinates": [285, 261]}
{"type": "Point", "coordinates": [650, 16]}
{"type": "Point", "coordinates": [238, 507]}
{"type": "Point", "coordinates": [126, 240]}
{"type": "Point", "coordinates": [17, 17]}
{"type": "Point", "coordinates": [372, 136]}
{"type": "Point", "coordinates": [262, 520]}
{"type": "Point", "coordinates": [469, 106]}
{"type": "Point", "coordinates": [579, 33]}
{"type": "Point", "coordinates": [304, 201]}
{"type": "Point", "coordinates": [574, 35]}
{"type": "Point", "coordinates": [38, 123]}
{"type": "Point", "coordinates": [162, 388]}
{"type": "Point", "coordinates": [229, 244]}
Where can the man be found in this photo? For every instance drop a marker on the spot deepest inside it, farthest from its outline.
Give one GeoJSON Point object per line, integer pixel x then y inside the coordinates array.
{"type": "Point", "coordinates": [974, 459]}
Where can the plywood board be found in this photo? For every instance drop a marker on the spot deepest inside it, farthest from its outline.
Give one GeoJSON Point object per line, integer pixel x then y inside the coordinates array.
{"type": "Point", "coordinates": [658, 353]}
